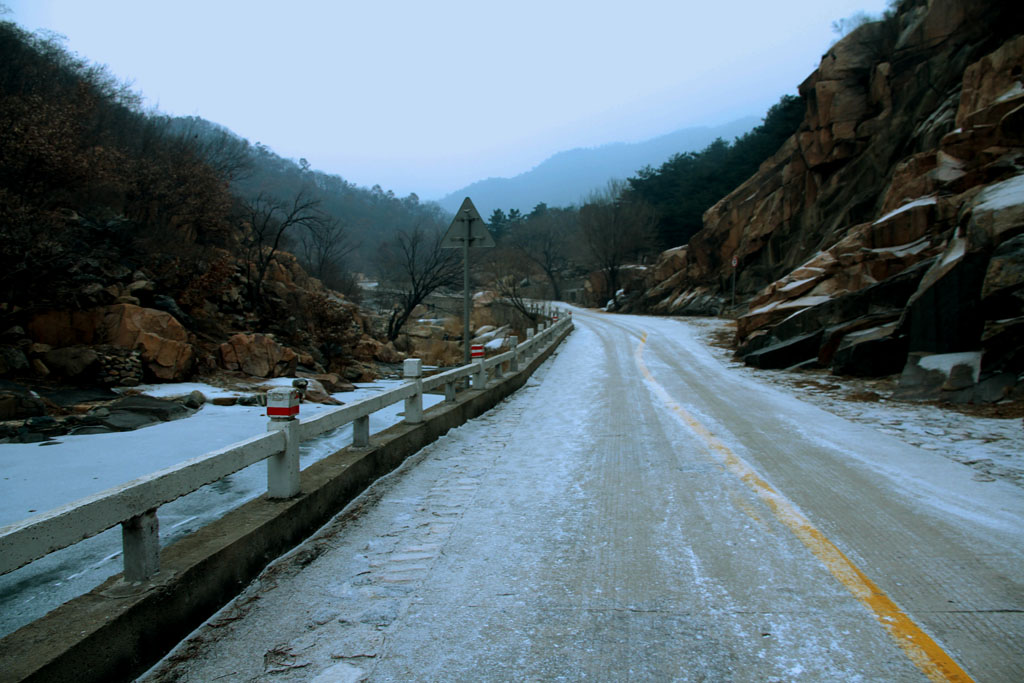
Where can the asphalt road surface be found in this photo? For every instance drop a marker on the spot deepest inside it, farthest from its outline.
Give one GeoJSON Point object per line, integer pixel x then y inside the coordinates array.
{"type": "Point", "coordinates": [638, 512]}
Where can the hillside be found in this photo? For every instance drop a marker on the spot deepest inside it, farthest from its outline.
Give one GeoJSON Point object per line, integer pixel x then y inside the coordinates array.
{"type": "Point", "coordinates": [567, 177]}
{"type": "Point", "coordinates": [886, 234]}
{"type": "Point", "coordinates": [136, 247]}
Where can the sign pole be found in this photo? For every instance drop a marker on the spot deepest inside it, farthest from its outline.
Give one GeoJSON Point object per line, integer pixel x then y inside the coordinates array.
{"type": "Point", "coordinates": [466, 303]}
{"type": "Point", "coordinates": [735, 262]}
{"type": "Point", "coordinates": [460, 234]}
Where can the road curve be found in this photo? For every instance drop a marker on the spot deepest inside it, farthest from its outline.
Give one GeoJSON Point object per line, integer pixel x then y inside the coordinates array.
{"type": "Point", "coordinates": [640, 512]}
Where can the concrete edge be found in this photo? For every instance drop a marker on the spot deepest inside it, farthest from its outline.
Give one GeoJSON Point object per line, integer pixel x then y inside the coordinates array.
{"type": "Point", "coordinates": [119, 630]}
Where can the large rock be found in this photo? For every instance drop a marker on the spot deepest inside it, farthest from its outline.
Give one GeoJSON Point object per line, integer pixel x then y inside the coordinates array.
{"type": "Point", "coordinates": [786, 353]}
{"type": "Point", "coordinates": [76, 363]}
{"type": "Point", "coordinates": [12, 361]}
{"type": "Point", "coordinates": [258, 355]}
{"type": "Point", "coordinates": [1002, 292]}
{"type": "Point", "coordinates": [944, 314]}
{"type": "Point", "coordinates": [986, 81]}
{"type": "Point", "coordinates": [997, 213]}
{"type": "Point", "coordinates": [161, 339]}
{"type": "Point", "coordinates": [944, 376]}
{"type": "Point", "coordinates": [874, 352]}
{"type": "Point", "coordinates": [17, 403]}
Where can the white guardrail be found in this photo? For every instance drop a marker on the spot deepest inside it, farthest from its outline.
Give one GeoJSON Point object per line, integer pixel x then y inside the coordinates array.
{"type": "Point", "coordinates": [134, 504]}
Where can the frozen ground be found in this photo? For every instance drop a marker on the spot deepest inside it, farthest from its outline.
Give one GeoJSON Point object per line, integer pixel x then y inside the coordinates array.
{"type": "Point", "coordinates": [992, 446]}
{"type": "Point", "coordinates": [36, 478]}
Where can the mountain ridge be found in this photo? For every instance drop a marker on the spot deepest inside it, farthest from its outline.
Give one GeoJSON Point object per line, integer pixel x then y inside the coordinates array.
{"type": "Point", "coordinates": [566, 177]}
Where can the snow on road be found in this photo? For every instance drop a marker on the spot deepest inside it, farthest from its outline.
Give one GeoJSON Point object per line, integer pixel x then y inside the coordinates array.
{"type": "Point", "coordinates": [584, 529]}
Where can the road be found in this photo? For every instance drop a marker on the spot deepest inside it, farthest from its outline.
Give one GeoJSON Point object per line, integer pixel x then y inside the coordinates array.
{"type": "Point", "coordinates": [640, 512]}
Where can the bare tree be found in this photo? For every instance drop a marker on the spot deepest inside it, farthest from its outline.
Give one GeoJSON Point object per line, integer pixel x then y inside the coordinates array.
{"type": "Point", "coordinates": [266, 221]}
{"type": "Point", "coordinates": [325, 247]}
{"type": "Point", "coordinates": [614, 231]}
{"type": "Point", "coordinates": [415, 266]}
{"type": "Point", "coordinates": [509, 270]}
{"type": "Point", "coordinates": [544, 240]}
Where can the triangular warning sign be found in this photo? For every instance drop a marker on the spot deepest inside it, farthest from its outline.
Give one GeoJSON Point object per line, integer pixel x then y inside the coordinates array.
{"type": "Point", "coordinates": [467, 227]}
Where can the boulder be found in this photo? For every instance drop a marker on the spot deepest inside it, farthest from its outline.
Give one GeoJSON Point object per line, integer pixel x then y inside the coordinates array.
{"type": "Point", "coordinates": [387, 353]}
{"type": "Point", "coordinates": [787, 353]}
{"type": "Point", "coordinates": [316, 393]}
{"type": "Point", "coordinates": [18, 404]}
{"type": "Point", "coordinates": [76, 363]}
{"type": "Point", "coordinates": [130, 413]}
{"type": "Point", "coordinates": [257, 355]}
{"type": "Point", "coordinates": [161, 339]}
{"type": "Point", "coordinates": [332, 382]}
{"type": "Point", "coordinates": [996, 214]}
{"type": "Point", "coordinates": [874, 352]}
{"type": "Point", "coordinates": [944, 315]}
{"type": "Point", "coordinates": [1002, 292]}
{"type": "Point", "coordinates": [1003, 344]}
{"type": "Point", "coordinates": [942, 376]}
{"type": "Point", "coordinates": [12, 360]}
{"type": "Point", "coordinates": [366, 349]}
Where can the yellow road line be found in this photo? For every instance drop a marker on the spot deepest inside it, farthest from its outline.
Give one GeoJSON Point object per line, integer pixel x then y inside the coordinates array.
{"type": "Point", "coordinates": [918, 646]}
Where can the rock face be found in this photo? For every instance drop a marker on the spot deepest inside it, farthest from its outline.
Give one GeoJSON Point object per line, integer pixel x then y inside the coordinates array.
{"type": "Point", "coordinates": [890, 222]}
{"type": "Point", "coordinates": [161, 341]}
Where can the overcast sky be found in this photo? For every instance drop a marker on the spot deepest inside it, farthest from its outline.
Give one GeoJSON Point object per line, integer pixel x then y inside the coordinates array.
{"type": "Point", "coordinates": [427, 97]}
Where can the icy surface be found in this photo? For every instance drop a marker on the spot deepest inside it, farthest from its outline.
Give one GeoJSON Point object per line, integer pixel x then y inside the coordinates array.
{"type": "Point", "coordinates": [584, 530]}
{"type": "Point", "coordinates": [37, 478]}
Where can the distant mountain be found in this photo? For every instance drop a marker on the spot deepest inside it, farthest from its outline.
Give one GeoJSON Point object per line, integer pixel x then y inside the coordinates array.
{"type": "Point", "coordinates": [567, 177]}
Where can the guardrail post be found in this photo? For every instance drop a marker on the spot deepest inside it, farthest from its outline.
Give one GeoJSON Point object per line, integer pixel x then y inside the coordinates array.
{"type": "Point", "coordinates": [140, 541]}
{"type": "Point", "coordinates": [449, 392]}
{"type": "Point", "coordinates": [499, 371]}
{"type": "Point", "coordinates": [513, 365]}
{"type": "Point", "coordinates": [283, 468]}
{"type": "Point", "coordinates": [530, 350]}
{"type": "Point", "coordinates": [361, 431]}
{"type": "Point", "coordinates": [479, 375]}
{"type": "Point", "coordinates": [412, 369]}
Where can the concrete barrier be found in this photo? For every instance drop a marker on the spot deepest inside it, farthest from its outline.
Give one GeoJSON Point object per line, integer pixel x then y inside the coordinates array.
{"type": "Point", "coordinates": [120, 629]}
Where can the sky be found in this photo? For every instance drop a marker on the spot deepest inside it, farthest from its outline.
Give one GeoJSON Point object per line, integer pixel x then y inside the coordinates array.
{"type": "Point", "coordinates": [428, 97]}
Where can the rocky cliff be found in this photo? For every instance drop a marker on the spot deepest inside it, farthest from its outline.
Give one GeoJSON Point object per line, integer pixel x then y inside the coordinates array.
{"type": "Point", "coordinates": [888, 229]}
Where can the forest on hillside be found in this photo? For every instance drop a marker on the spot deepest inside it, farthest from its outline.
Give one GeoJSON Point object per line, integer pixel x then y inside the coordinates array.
{"type": "Point", "coordinates": [85, 171]}
{"type": "Point", "coordinates": [630, 222]}
{"type": "Point", "coordinates": [89, 176]}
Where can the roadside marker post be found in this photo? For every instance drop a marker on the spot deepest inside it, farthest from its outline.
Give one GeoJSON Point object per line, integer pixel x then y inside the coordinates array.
{"type": "Point", "coordinates": [283, 468]}
{"type": "Point", "coordinates": [480, 376]}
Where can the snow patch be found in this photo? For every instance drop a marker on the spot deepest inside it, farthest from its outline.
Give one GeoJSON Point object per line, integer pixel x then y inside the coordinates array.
{"type": "Point", "coordinates": [954, 252]}
{"type": "Point", "coordinates": [1011, 92]}
{"type": "Point", "coordinates": [907, 249]}
{"type": "Point", "coordinates": [1002, 195]}
{"type": "Point", "coordinates": [945, 362]}
{"type": "Point", "coordinates": [794, 285]}
{"type": "Point", "coordinates": [921, 201]}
